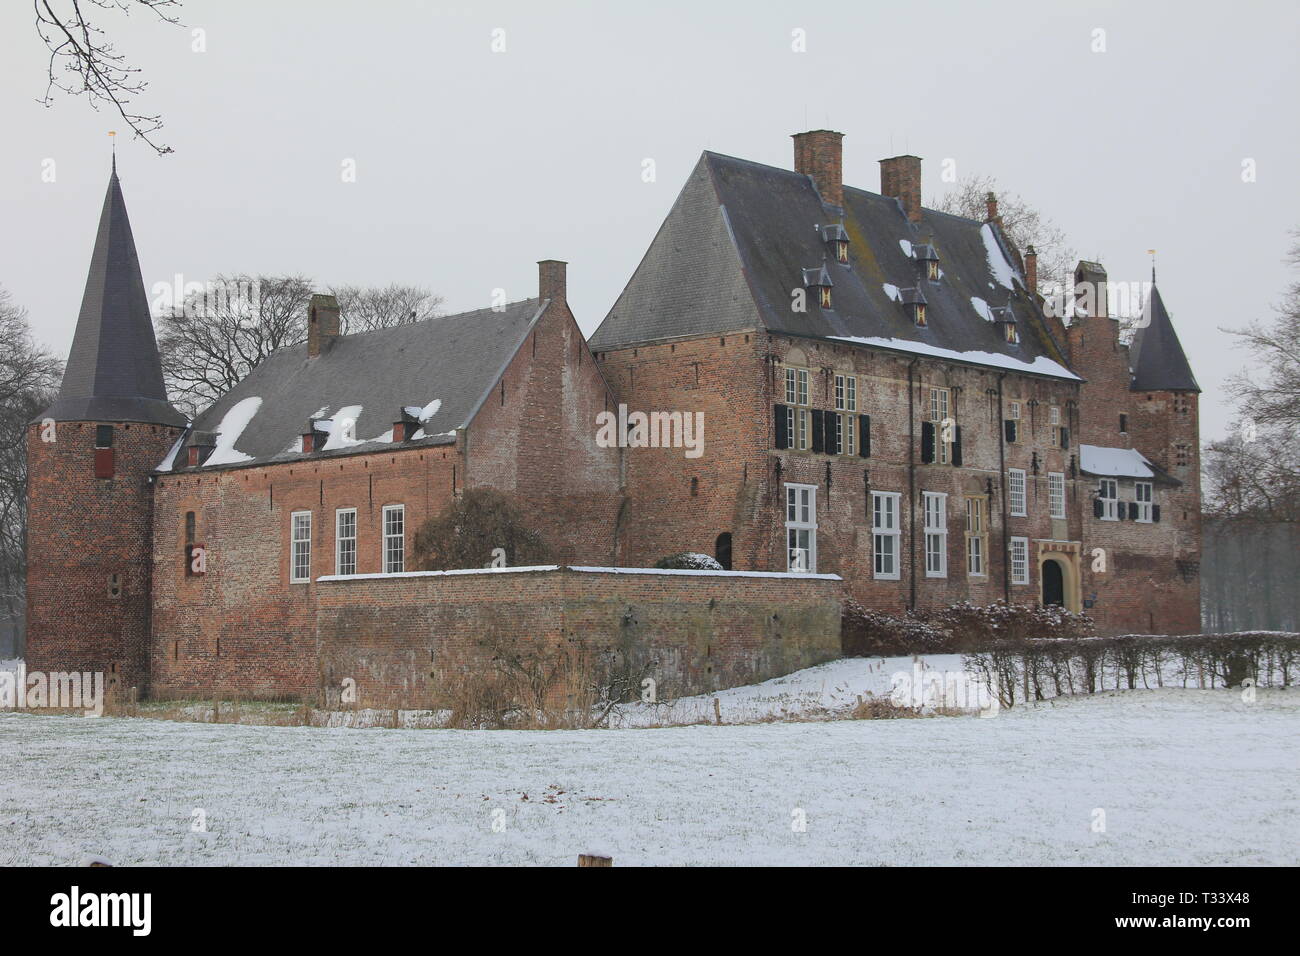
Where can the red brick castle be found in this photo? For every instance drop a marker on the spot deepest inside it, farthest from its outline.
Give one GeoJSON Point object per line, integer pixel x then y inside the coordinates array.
{"type": "Point", "coordinates": [888, 411]}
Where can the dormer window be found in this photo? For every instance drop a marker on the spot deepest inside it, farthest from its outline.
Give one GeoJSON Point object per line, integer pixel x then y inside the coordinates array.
{"type": "Point", "coordinates": [928, 258]}
{"type": "Point", "coordinates": [838, 241]}
{"type": "Point", "coordinates": [819, 279]}
{"type": "Point", "coordinates": [914, 301]}
{"type": "Point", "coordinates": [1006, 323]}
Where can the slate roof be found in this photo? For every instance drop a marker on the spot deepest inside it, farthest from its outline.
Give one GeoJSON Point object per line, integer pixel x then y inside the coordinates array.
{"type": "Point", "coordinates": [740, 233]}
{"type": "Point", "coordinates": [113, 371]}
{"type": "Point", "coordinates": [1156, 357]}
{"type": "Point", "coordinates": [454, 360]}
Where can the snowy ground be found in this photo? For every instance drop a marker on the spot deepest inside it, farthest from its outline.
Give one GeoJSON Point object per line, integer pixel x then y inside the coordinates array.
{"type": "Point", "coordinates": [1183, 776]}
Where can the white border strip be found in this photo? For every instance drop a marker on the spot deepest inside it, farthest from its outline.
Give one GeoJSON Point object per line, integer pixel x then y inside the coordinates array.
{"type": "Point", "coordinates": [335, 578]}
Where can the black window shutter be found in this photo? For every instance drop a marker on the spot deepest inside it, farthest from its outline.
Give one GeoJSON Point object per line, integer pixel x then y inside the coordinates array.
{"type": "Point", "coordinates": [864, 432]}
{"type": "Point", "coordinates": [1097, 507]}
{"type": "Point", "coordinates": [1121, 511]}
{"type": "Point", "coordinates": [1155, 512]}
{"type": "Point", "coordinates": [927, 442]}
{"type": "Point", "coordinates": [828, 442]}
{"type": "Point", "coordinates": [1009, 429]}
{"type": "Point", "coordinates": [818, 430]}
{"type": "Point", "coordinates": [1065, 437]}
{"type": "Point", "coordinates": [782, 428]}
{"type": "Point", "coordinates": [956, 446]}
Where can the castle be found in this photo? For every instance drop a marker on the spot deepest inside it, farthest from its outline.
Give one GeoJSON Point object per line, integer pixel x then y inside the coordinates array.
{"type": "Point", "coordinates": [887, 411]}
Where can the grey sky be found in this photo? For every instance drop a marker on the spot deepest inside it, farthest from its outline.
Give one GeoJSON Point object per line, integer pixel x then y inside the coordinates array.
{"type": "Point", "coordinates": [472, 164]}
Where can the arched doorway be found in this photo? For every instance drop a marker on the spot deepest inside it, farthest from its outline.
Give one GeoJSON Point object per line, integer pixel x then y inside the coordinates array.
{"type": "Point", "coordinates": [1053, 582]}
{"type": "Point", "coordinates": [722, 550]}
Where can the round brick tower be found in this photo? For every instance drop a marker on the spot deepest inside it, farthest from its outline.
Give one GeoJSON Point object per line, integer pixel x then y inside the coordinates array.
{"type": "Point", "coordinates": [89, 459]}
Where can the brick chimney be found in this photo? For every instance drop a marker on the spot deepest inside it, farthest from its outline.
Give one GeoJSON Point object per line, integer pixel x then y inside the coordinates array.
{"type": "Point", "coordinates": [900, 177]}
{"type": "Point", "coordinates": [1031, 271]}
{"type": "Point", "coordinates": [322, 323]}
{"type": "Point", "coordinates": [552, 280]}
{"type": "Point", "coordinates": [991, 209]}
{"type": "Point", "coordinates": [819, 153]}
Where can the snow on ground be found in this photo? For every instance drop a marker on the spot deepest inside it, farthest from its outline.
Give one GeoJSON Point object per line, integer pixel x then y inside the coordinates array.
{"type": "Point", "coordinates": [1185, 777]}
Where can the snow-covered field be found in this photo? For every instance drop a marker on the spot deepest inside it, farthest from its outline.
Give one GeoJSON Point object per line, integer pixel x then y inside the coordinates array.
{"type": "Point", "coordinates": [1182, 777]}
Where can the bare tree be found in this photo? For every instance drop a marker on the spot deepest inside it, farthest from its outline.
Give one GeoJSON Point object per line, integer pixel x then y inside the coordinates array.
{"type": "Point", "coordinates": [84, 62]}
{"type": "Point", "coordinates": [1023, 224]}
{"type": "Point", "coordinates": [467, 532]}
{"type": "Point", "coordinates": [367, 309]}
{"type": "Point", "coordinates": [213, 339]}
{"type": "Point", "coordinates": [217, 335]}
{"type": "Point", "coordinates": [1273, 398]}
{"type": "Point", "coordinates": [28, 378]}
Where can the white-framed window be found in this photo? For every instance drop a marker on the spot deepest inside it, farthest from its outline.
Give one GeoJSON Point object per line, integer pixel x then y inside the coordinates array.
{"type": "Point", "coordinates": [936, 534]}
{"type": "Point", "coordinates": [791, 438]}
{"type": "Point", "coordinates": [846, 393]}
{"type": "Point", "coordinates": [976, 538]}
{"type": "Point", "coordinates": [300, 547]}
{"type": "Point", "coordinates": [345, 541]}
{"type": "Point", "coordinates": [885, 532]}
{"type": "Point", "coordinates": [796, 386]}
{"type": "Point", "coordinates": [940, 403]}
{"type": "Point", "coordinates": [1142, 498]}
{"type": "Point", "coordinates": [846, 439]}
{"type": "Point", "coordinates": [803, 419]}
{"type": "Point", "coordinates": [1108, 492]}
{"type": "Point", "coordinates": [1014, 411]}
{"type": "Point", "coordinates": [1019, 560]}
{"type": "Point", "coordinates": [1016, 495]}
{"type": "Point", "coordinates": [801, 528]}
{"type": "Point", "coordinates": [394, 544]}
{"type": "Point", "coordinates": [1056, 494]}
{"type": "Point", "coordinates": [1054, 426]}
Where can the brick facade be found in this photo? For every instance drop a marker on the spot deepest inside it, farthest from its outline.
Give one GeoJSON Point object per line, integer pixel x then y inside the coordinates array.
{"type": "Point", "coordinates": [403, 639]}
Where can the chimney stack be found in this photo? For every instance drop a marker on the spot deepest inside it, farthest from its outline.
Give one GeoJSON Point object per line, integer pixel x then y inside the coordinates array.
{"type": "Point", "coordinates": [322, 323]}
{"type": "Point", "coordinates": [819, 153]}
{"type": "Point", "coordinates": [900, 178]}
{"type": "Point", "coordinates": [1031, 271]}
{"type": "Point", "coordinates": [552, 280]}
{"type": "Point", "coordinates": [991, 209]}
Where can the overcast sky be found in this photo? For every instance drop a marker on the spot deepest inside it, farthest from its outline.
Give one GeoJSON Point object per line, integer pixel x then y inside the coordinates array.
{"type": "Point", "coordinates": [472, 164]}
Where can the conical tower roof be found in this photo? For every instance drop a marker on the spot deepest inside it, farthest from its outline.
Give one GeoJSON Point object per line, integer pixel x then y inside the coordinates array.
{"type": "Point", "coordinates": [1156, 357]}
{"type": "Point", "coordinates": [113, 371]}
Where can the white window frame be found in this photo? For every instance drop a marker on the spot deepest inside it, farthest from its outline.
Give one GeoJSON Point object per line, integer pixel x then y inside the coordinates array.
{"type": "Point", "coordinates": [846, 437]}
{"type": "Point", "coordinates": [801, 522]}
{"type": "Point", "coordinates": [1018, 500]}
{"type": "Point", "coordinates": [935, 509]}
{"type": "Point", "coordinates": [886, 532]}
{"type": "Point", "coordinates": [940, 411]}
{"type": "Point", "coordinates": [386, 553]}
{"type": "Point", "coordinates": [1054, 426]}
{"type": "Point", "coordinates": [1019, 560]}
{"type": "Point", "coordinates": [340, 539]}
{"type": "Point", "coordinates": [803, 425]}
{"type": "Point", "coordinates": [1109, 502]}
{"type": "Point", "coordinates": [1142, 503]}
{"type": "Point", "coordinates": [846, 393]}
{"type": "Point", "coordinates": [300, 546]}
{"type": "Point", "coordinates": [977, 559]}
{"type": "Point", "coordinates": [1056, 494]}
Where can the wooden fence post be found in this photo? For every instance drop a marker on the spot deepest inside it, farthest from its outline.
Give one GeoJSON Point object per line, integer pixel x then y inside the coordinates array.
{"type": "Point", "coordinates": [590, 859]}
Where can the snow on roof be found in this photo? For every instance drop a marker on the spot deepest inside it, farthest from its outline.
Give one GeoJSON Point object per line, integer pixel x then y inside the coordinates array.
{"type": "Point", "coordinates": [998, 265]}
{"type": "Point", "coordinates": [906, 247]}
{"type": "Point", "coordinates": [982, 308]}
{"type": "Point", "coordinates": [232, 426]}
{"type": "Point", "coordinates": [343, 428]}
{"type": "Point", "coordinates": [1039, 366]}
{"type": "Point", "coordinates": [892, 291]}
{"type": "Point", "coordinates": [1115, 462]}
{"type": "Point", "coordinates": [171, 455]}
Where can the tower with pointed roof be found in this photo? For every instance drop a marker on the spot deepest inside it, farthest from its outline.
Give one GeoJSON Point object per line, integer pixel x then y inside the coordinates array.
{"type": "Point", "coordinates": [90, 455]}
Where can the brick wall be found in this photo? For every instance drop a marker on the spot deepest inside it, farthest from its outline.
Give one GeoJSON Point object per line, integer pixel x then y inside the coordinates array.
{"type": "Point", "coordinates": [82, 531]}
{"type": "Point", "coordinates": [402, 639]}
